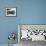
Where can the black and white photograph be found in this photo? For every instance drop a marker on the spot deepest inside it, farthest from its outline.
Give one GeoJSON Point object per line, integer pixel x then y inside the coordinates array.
{"type": "Point", "coordinates": [10, 11]}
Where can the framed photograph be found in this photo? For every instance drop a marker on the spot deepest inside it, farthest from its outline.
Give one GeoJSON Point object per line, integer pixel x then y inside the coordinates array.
{"type": "Point", "coordinates": [10, 11]}
{"type": "Point", "coordinates": [31, 32]}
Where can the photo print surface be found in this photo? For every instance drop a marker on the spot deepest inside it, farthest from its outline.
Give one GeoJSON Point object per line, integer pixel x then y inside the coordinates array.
{"type": "Point", "coordinates": [10, 11]}
{"type": "Point", "coordinates": [33, 32]}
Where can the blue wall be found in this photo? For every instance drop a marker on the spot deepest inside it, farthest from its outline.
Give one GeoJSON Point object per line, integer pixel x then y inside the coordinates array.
{"type": "Point", "coordinates": [28, 12]}
{"type": "Point", "coordinates": [33, 12]}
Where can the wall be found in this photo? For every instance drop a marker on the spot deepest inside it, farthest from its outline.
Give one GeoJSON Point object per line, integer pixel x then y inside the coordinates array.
{"type": "Point", "coordinates": [33, 12]}
{"type": "Point", "coordinates": [8, 24]}
{"type": "Point", "coordinates": [28, 12]}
